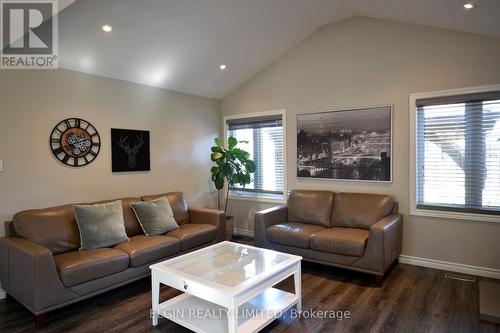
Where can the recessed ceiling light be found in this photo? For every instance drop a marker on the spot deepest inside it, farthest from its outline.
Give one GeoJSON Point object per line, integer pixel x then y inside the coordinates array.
{"type": "Point", "coordinates": [469, 5]}
{"type": "Point", "coordinates": [222, 67]}
{"type": "Point", "coordinates": [107, 28]}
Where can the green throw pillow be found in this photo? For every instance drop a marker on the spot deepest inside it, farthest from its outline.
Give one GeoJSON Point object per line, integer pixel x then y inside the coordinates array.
{"type": "Point", "coordinates": [155, 216]}
{"type": "Point", "coordinates": [101, 225]}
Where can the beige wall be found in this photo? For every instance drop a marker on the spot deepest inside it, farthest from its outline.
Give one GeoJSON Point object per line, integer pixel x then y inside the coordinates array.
{"type": "Point", "coordinates": [33, 102]}
{"type": "Point", "coordinates": [363, 62]}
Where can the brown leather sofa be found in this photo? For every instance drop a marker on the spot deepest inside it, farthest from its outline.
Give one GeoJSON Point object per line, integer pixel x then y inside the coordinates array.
{"type": "Point", "coordinates": [357, 231]}
{"type": "Point", "coordinates": [41, 266]}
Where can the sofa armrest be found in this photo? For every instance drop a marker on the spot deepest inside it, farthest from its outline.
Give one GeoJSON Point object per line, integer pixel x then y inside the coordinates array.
{"type": "Point", "coordinates": [384, 244]}
{"type": "Point", "coordinates": [214, 217]}
{"type": "Point", "coordinates": [29, 274]}
{"type": "Point", "coordinates": [386, 224]}
{"type": "Point", "coordinates": [266, 218]}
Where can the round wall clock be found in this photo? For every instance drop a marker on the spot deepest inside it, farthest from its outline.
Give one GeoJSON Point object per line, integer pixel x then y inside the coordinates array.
{"type": "Point", "coordinates": [75, 142]}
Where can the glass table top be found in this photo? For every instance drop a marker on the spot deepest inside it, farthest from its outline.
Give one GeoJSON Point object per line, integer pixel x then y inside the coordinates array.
{"type": "Point", "coordinates": [228, 264]}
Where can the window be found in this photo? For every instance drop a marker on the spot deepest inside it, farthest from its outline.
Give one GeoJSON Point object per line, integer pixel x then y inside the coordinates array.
{"type": "Point", "coordinates": [264, 136]}
{"type": "Point", "coordinates": [457, 167]}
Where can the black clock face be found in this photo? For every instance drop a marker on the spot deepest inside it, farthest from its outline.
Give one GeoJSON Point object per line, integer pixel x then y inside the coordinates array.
{"type": "Point", "coordinates": [75, 142]}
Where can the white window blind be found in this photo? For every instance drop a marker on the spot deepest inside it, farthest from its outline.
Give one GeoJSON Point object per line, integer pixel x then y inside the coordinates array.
{"type": "Point", "coordinates": [458, 153]}
{"type": "Point", "coordinates": [265, 145]}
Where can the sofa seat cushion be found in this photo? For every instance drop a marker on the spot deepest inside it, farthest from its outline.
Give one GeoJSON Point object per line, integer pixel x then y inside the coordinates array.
{"type": "Point", "coordinates": [292, 233]}
{"type": "Point", "coordinates": [143, 249]}
{"type": "Point", "coordinates": [193, 234]}
{"type": "Point", "coordinates": [77, 267]}
{"type": "Point", "coordinates": [347, 241]}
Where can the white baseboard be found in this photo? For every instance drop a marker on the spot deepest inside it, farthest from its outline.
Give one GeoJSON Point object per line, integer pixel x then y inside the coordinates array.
{"type": "Point", "coordinates": [243, 232]}
{"type": "Point", "coordinates": [451, 266]}
{"type": "Point", "coordinates": [2, 294]}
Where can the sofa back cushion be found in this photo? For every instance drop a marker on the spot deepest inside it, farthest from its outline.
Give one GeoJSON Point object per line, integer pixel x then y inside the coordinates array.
{"type": "Point", "coordinates": [54, 228]}
{"type": "Point", "coordinates": [177, 202]}
{"type": "Point", "coordinates": [132, 225]}
{"type": "Point", "coordinates": [360, 210]}
{"type": "Point", "coordinates": [313, 207]}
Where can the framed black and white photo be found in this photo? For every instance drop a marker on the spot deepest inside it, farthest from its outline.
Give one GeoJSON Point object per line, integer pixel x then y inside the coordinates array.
{"type": "Point", "coordinates": [130, 150]}
{"type": "Point", "coordinates": [350, 144]}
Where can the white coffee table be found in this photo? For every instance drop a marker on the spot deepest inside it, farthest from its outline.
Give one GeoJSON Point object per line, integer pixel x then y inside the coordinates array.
{"type": "Point", "coordinates": [228, 287]}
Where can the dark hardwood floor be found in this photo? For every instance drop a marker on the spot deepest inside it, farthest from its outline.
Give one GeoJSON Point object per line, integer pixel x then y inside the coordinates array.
{"type": "Point", "coordinates": [412, 299]}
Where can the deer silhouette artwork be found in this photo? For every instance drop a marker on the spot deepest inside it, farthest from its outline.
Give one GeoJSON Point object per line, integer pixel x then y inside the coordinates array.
{"type": "Point", "coordinates": [131, 151]}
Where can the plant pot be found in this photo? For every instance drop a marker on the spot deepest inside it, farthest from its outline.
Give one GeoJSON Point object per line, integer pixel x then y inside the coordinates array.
{"type": "Point", "coordinates": [229, 227]}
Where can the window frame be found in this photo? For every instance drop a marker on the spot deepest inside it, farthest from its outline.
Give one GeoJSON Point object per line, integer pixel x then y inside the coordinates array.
{"type": "Point", "coordinates": [446, 214]}
{"type": "Point", "coordinates": [254, 195]}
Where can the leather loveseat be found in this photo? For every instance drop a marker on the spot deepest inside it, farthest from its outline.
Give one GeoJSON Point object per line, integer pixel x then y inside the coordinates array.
{"type": "Point", "coordinates": [41, 265]}
{"type": "Point", "coordinates": [357, 231]}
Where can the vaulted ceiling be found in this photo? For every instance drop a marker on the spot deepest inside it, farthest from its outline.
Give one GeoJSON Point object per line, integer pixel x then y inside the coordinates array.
{"type": "Point", "coordinates": [180, 44]}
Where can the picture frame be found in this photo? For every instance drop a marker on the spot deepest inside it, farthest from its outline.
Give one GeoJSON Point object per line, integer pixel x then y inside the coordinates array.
{"type": "Point", "coordinates": [130, 150]}
{"type": "Point", "coordinates": [351, 144]}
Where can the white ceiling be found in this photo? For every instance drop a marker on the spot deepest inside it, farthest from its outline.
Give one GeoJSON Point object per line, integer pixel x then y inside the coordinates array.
{"type": "Point", "coordinates": [179, 44]}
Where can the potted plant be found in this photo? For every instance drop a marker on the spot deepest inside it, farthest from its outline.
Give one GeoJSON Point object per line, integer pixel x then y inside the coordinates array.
{"type": "Point", "coordinates": [233, 167]}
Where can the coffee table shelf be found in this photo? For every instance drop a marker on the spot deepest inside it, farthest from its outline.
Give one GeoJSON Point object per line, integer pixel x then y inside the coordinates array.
{"type": "Point", "coordinates": [270, 304]}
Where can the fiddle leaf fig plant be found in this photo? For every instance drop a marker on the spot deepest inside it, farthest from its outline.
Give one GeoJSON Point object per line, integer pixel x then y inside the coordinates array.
{"type": "Point", "coordinates": [232, 166]}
